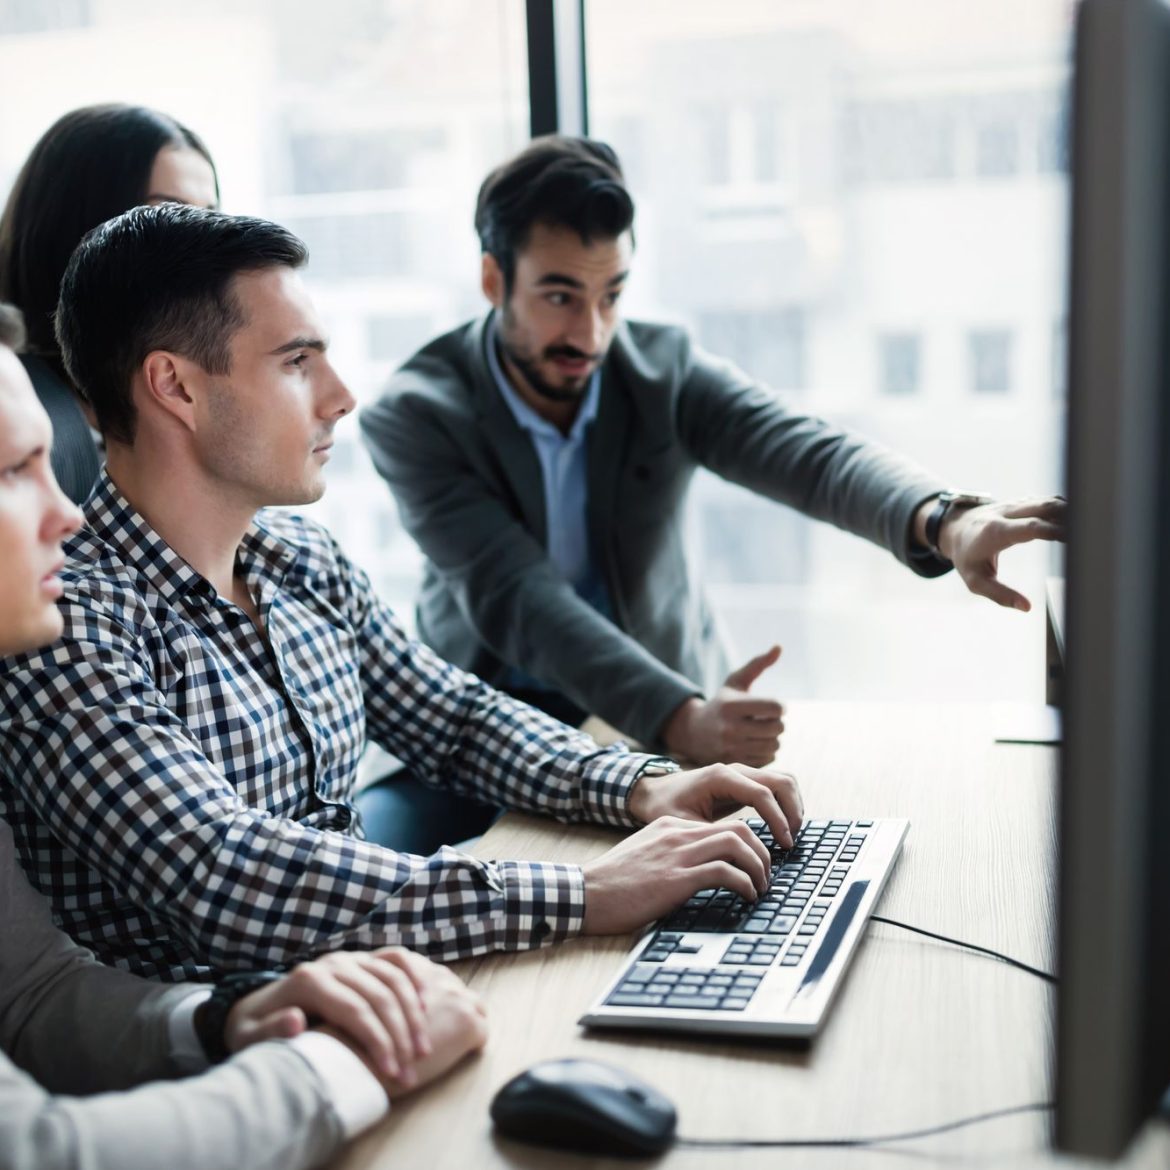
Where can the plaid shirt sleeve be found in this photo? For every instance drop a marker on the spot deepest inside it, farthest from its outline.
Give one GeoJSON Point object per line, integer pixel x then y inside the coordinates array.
{"type": "Point", "coordinates": [456, 732]}
{"type": "Point", "coordinates": [120, 780]}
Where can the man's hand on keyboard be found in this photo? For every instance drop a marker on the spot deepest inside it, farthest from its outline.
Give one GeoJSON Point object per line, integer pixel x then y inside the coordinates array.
{"type": "Point", "coordinates": [706, 794]}
{"type": "Point", "coordinates": [662, 865]}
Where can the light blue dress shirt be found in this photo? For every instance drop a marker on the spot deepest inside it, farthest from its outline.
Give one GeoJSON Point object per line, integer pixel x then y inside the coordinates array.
{"type": "Point", "coordinates": [563, 469]}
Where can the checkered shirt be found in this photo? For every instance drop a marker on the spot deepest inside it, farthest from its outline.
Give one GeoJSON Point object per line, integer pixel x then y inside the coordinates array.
{"type": "Point", "coordinates": [181, 790]}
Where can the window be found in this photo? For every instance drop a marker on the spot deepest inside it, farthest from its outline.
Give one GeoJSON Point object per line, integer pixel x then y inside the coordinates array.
{"type": "Point", "coordinates": [997, 149]}
{"type": "Point", "coordinates": [1052, 145]}
{"type": "Point", "coordinates": [831, 195]}
{"type": "Point", "coordinates": [899, 354]}
{"type": "Point", "coordinates": [991, 361]}
{"type": "Point", "coordinates": [767, 344]}
{"type": "Point", "coordinates": [361, 161]}
{"type": "Point", "coordinates": [38, 16]}
{"type": "Point", "coordinates": [900, 141]}
{"type": "Point", "coordinates": [364, 126]}
{"type": "Point", "coordinates": [393, 338]}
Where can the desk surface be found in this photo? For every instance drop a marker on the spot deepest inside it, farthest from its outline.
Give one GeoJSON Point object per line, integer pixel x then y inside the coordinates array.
{"type": "Point", "coordinates": [922, 1033]}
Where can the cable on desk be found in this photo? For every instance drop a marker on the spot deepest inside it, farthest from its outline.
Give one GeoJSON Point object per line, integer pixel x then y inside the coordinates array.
{"type": "Point", "coordinates": [1047, 976]}
{"type": "Point", "coordinates": [873, 1140]}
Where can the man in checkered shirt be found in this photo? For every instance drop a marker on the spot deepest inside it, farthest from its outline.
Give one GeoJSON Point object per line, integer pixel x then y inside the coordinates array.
{"type": "Point", "coordinates": [179, 768]}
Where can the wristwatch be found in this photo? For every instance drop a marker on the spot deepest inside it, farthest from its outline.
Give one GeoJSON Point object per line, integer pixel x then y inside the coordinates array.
{"type": "Point", "coordinates": [658, 766]}
{"type": "Point", "coordinates": [211, 1015]}
{"type": "Point", "coordinates": [943, 504]}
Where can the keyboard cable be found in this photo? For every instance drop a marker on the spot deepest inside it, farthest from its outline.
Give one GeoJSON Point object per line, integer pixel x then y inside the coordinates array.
{"type": "Point", "coordinates": [907, 1135]}
{"type": "Point", "coordinates": [872, 1140]}
{"type": "Point", "coordinates": [1047, 976]}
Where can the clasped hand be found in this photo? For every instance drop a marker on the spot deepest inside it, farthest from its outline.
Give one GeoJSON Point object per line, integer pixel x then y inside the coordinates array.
{"type": "Point", "coordinates": [409, 1019]}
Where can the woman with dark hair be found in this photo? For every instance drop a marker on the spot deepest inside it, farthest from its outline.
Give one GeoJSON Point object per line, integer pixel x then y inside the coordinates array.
{"type": "Point", "coordinates": [89, 166]}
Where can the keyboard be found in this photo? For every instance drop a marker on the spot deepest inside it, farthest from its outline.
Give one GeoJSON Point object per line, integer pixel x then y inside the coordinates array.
{"type": "Point", "coordinates": [764, 968]}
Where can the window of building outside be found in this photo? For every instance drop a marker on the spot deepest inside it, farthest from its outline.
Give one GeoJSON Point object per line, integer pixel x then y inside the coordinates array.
{"type": "Point", "coordinates": [991, 361]}
{"type": "Point", "coordinates": [900, 357]}
{"type": "Point", "coordinates": [804, 175]}
{"type": "Point", "coordinates": [365, 127]}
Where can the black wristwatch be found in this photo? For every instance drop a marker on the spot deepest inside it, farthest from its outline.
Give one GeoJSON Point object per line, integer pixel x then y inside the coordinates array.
{"type": "Point", "coordinates": [211, 1015]}
{"type": "Point", "coordinates": [943, 504]}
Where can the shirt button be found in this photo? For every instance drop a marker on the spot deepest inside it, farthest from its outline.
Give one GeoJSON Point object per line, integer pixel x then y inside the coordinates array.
{"type": "Point", "coordinates": [540, 932]}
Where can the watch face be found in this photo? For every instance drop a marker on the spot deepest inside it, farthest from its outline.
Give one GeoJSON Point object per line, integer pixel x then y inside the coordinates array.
{"type": "Point", "coordinates": [659, 767]}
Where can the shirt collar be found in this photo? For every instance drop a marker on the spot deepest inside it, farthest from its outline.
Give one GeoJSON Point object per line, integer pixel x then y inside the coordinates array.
{"type": "Point", "coordinates": [116, 525]}
{"type": "Point", "coordinates": [525, 416]}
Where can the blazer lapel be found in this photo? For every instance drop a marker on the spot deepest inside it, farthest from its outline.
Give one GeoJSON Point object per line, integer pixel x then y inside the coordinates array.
{"type": "Point", "coordinates": [514, 453]}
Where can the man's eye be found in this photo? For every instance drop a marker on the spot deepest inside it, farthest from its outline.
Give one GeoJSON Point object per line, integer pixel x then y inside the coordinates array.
{"type": "Point", "coordinates": [558, 299]}
{"type": "Point", "coordinates": [299, 360]}
{"type": "Point", "coordinates": [17, 469]}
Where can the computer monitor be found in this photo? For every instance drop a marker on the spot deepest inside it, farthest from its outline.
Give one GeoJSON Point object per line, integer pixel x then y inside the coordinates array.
{"type": "Point", "coordinates": [1113, 1014]}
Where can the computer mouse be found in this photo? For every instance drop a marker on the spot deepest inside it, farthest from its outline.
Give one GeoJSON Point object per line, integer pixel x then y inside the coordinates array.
{"type": "Point", "coordinates": [586, 1106]}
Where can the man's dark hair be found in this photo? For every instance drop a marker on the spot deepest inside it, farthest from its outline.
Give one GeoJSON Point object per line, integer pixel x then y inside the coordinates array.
{"type": "Point", "coordinates": [158, 278]}
{"type": "Point", "coordinates": [90, 165]}
{"type": "Point", "coordinates": [11, 327]}
{"type": "Point", "coordinates": [575, 183]}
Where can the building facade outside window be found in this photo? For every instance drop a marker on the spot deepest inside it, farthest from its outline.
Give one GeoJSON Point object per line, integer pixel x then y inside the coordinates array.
{"type": "Point", "coordinates": [805, 175]}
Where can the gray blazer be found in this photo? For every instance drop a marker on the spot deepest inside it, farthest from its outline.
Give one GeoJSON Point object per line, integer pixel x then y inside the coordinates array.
{"type": "Point", "coordinates": [80, 1028]}
{"type": "Point", "coordinates": [468, 485]}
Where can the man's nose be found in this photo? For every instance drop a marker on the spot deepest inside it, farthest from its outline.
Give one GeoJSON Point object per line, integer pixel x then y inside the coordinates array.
{"type": "Point", "coordinates": [338, 400]}
{"type": "Point", "coordinates": [589, 330]}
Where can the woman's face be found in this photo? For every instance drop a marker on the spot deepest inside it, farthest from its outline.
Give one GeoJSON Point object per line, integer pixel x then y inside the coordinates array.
{"type": "Point", "coordinates": [181, 175]}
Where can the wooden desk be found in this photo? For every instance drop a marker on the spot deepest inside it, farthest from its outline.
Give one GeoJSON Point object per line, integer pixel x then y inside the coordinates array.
{"type": "Point", "coordinates": [922, 1033]}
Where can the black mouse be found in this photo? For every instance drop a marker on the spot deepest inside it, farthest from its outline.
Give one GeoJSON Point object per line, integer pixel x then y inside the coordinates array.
{"type": "Point", "coordinates": [586, 1106]}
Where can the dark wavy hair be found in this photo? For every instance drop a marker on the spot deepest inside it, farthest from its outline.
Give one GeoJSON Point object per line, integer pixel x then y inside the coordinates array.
{"type": "Point", "coordinates": [90, 165]}
{"type": "Point", "coordinates": [556, 180]}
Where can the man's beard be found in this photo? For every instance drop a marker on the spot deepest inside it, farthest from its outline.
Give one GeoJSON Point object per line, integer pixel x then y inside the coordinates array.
{"type": "Point", "coordinates": [528, 367]}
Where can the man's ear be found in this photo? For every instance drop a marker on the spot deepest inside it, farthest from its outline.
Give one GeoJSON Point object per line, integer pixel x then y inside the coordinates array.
{"type": "Point", "coordinates": [491, 280]}
{"type": "Point", "coordinates": [166, 381]}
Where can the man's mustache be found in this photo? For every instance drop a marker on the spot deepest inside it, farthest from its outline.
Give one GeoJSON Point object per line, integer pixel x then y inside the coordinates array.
{"type": "Point", "coordinates": [571, 352]}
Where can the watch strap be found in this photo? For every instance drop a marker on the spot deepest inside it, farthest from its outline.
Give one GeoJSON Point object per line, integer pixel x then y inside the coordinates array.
{"type": "Point", "coordinates": [943, 505]}
{"type": "Point", "coordinates": [211, 1016]}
